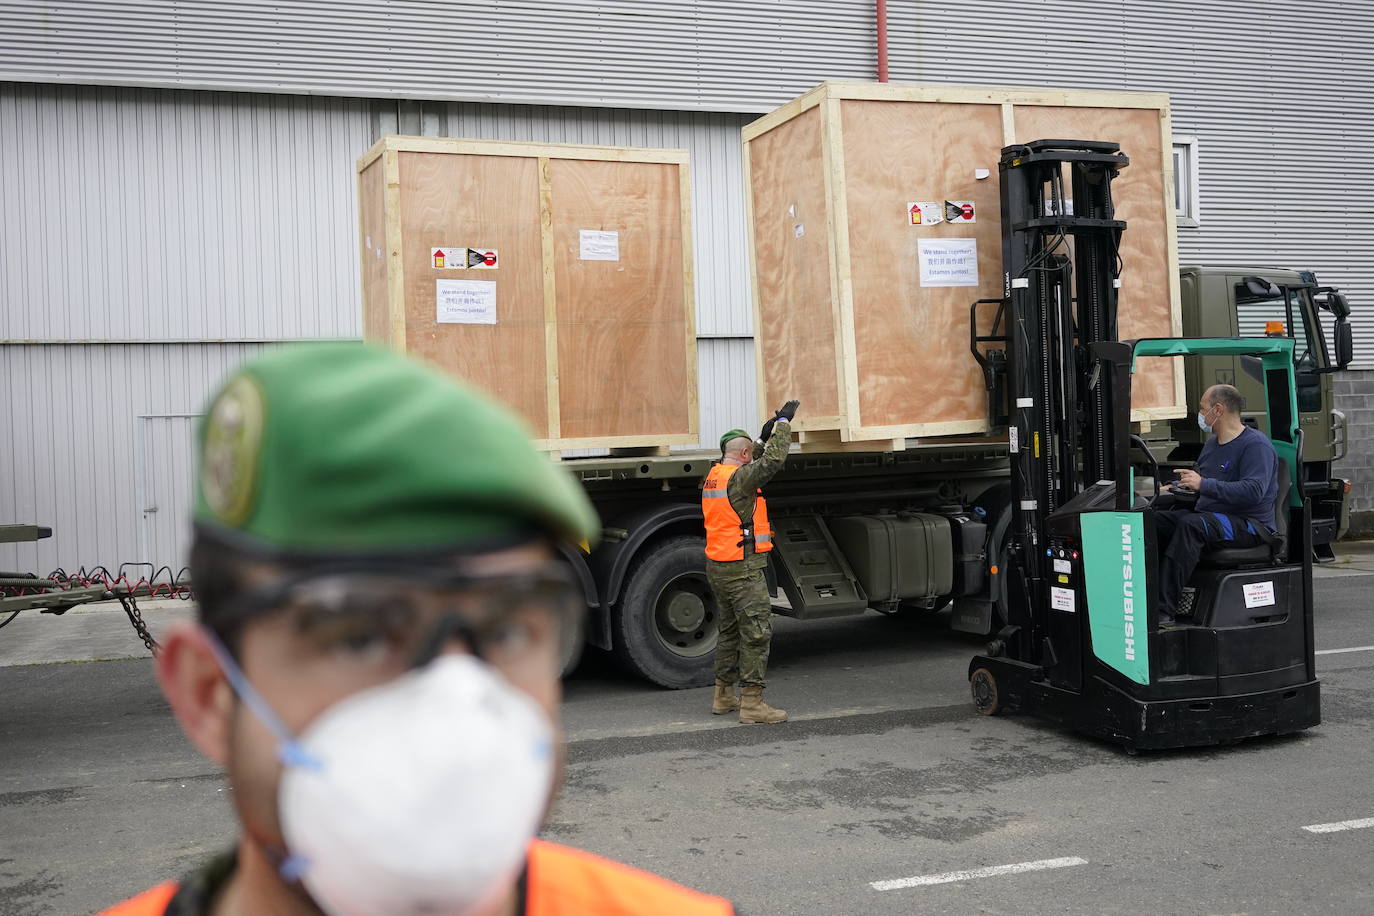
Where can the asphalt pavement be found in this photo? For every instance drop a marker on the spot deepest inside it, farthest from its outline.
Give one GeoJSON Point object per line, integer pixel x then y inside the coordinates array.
{"type": "Point", "coordinates": [884, 794]}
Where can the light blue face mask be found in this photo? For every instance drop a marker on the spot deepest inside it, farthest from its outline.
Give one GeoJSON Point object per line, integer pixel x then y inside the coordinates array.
{"type": "Point", "coordinates": [1202, 422]}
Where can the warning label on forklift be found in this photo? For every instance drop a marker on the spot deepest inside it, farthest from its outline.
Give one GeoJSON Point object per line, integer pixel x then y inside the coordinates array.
{"type": "Point", "coordinates": [1259, 594]}
{"type": "Point", "coordinates": [1061, 599]}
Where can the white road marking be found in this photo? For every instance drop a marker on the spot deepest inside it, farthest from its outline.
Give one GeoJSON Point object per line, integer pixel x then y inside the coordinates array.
{"type": "Point", "coordinates": [1338, 651]}
{"type": "Point", "coordinates": [988, 872]}
{"type": "Point", "coordinates": [1340, 825]}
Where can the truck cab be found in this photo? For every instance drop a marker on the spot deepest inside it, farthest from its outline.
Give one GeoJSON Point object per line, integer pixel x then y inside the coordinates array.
{"type": "Point", "coordinates": [1247, 301]}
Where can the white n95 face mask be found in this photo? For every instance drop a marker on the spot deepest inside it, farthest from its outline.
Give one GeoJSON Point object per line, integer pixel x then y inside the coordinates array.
{"type": "Point", "coordinates": [419, 796]}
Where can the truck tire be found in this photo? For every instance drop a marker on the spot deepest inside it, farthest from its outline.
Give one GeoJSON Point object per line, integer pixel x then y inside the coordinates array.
{"type": "Point", "coordinates": [570, 651]}
{"type": "Point", "coordinates": [664, 627]}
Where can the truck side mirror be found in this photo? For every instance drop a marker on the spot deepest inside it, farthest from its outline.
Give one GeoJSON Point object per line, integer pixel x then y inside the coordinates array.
{"type": "Point", "coordinates": [1345, 343]}
{"type": "Point", "coordinates": [1336, 303]}
{"type": "Point", "coordinates": [1260, 288]}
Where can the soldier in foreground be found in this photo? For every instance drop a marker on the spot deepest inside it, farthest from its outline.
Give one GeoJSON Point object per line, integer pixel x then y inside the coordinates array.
{"type": "Point", "coordinates": [376, 664]}
{"type": "Point", "coordinates": [738, 540]}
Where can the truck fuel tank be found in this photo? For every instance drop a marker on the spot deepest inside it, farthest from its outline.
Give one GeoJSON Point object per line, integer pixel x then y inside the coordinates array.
{"type": "Point", "coordinates": [896, 557]}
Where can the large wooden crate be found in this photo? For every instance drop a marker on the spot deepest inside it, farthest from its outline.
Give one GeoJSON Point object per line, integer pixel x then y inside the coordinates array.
{"type": "Point", "coordinates": [842, 318]}
{"type": "Point", "coordinates": [556, 278]}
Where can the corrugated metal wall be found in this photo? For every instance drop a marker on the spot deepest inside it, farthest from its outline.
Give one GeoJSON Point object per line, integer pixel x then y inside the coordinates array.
{"type": "Point", "coordinates": [99, 436]}
{"type": "Point", "coordinates": [146, 215]}
{"type": "Point", "coordinates": [717, 55]}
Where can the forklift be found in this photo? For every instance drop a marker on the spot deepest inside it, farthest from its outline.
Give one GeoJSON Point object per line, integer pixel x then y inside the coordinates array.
{"type": "Point", "coordinates": [1081, 645]}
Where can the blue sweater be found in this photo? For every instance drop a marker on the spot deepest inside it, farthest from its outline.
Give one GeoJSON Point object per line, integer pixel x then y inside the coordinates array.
{"type": "Point", "coordinates": [1238, 478]}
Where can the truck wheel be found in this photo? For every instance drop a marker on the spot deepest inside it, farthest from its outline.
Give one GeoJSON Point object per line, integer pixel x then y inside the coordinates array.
{"type": "Point", "coordinates": [665, 625]}
{"type": "Point", "coordinates": [986, 702]}
{"type": "Point", "coordinates": [570, 652]}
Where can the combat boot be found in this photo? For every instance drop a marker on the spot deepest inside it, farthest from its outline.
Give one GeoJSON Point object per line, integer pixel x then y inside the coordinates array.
{"type": "Point", "coordinates": [752, 709]}
{"type": "Point", "coordinates": [725, 700]}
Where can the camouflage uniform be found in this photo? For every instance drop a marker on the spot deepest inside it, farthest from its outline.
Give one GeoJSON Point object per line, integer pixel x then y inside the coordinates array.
{"type": "Point", "coordinates": [746, 613]}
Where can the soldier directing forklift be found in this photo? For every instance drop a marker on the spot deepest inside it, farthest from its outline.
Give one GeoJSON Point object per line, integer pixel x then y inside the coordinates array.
{"type": "Point", "coordinates": [738, 541]}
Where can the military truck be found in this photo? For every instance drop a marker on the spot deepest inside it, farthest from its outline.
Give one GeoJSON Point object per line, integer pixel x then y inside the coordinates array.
{"type": "Point", "coordinates": [920, 530]}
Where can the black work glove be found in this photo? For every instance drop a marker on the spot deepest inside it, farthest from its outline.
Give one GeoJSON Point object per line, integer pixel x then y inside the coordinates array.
{"type": "Point", "coordinates": [788, 411]}
{"type": "Point", "coordinates": [768, 430]}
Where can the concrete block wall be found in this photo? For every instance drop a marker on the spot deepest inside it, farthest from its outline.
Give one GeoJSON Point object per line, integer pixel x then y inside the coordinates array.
{"type": "Point", "coordinates": [1355, 398]}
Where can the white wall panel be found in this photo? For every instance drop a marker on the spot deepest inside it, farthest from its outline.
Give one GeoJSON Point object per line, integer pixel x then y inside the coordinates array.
{"type": "Point", "coordinates": [721, 55]}
{"type": "Point", "coordinates": [103, 427]}
{"type": "Point", "coordinates": [158, 215]}
{"type": "Point", "coordinates": [729, 395]}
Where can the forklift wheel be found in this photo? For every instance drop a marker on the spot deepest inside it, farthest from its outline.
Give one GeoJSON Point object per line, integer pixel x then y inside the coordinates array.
{"type": "Point", "coordinates": [984, 687]}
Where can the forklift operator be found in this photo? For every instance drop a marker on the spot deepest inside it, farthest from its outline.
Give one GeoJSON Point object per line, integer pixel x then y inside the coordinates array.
{"type": "Point", "coordinates": [1236, 484]}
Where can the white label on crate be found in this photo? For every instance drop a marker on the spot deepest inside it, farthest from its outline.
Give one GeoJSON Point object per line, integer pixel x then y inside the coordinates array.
{"type": "Point", "coordinates": [1061, 599]}
{"type": "Point", "coordinates": [949, 262]}
{"type": "Point", "coordinates": [1014, 440]}
{"type": "Point", "coordinates": [960, 211]}
{"type": "Point", "coordinates": [1062, 566]}
{"type": "Point", "coordinates": [1259, 594]}
{"type": "Point", "coordinates": [599, 244]}
{"type": "Point", "coordinates": [799, 230]}
{"type": "Point", "coordinates": [924, 212]}
{"type": "Point", "coordinates": [465, 301]}
{"type": "Point", "coordinates": [1052, 207]}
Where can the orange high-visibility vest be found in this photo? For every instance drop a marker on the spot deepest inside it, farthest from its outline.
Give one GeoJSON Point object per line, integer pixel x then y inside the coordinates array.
{"type": "Point", "coordinates": [570, 882]}
{"type": "Point", "coordinates": [151, 902]}
{"type": "Point", "coordinates": [560, 882]}
{"type": "Point", "coordinates": [725, 531]}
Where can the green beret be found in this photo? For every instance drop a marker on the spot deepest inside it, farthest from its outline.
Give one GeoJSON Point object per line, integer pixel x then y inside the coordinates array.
{"type": "Point", "coordinates": [345, 448]}
{"type": "Point", "coordinates": [734, 434]}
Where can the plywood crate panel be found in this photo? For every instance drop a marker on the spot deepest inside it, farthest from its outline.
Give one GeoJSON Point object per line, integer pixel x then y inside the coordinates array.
{"type": "Point", "coordinates": [584, 324]}
{"type": "Point", "coordinates": [842, 320]}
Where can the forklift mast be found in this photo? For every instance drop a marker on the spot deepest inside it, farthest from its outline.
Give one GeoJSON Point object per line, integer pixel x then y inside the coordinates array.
{"type": "Point", "coordinates": [1060, 238]}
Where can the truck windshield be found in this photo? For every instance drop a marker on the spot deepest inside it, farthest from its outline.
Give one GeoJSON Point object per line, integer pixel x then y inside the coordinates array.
{"type": "Point", "coordinates": [1253, 313]}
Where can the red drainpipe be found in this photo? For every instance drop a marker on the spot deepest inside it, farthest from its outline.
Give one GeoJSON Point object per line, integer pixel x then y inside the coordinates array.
{"type": "Point", "coordinates": [882, 40]}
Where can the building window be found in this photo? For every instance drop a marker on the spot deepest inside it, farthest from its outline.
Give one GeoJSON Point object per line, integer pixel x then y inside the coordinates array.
{"type": "Point", "coordinates": [1185, 181]}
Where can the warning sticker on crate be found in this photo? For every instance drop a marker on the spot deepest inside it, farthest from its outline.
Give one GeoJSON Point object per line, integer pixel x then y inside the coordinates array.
{"type": "Point", "coordinates": [948, 262]}
{"type": "Point", "coordinates": [448, 258]}
{"type": "Point", "coordinates": [464, 258]}
{"type": "Point", "coordinates": [465, 301]}
{"type": "Point", "coordinates": [1061, 599]}
{"type": "Point", "coordinates": [960, 211]}
{"type": "Point", "coordinates": [924, 213]}
{"type": "Point", "coordinates": [483, 259]}
{"type": "Point", "coordinates": [1259, 594]}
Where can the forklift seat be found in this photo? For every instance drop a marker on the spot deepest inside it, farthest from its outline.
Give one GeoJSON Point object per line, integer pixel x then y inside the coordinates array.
{"type": "Point", "coordinates": [1260, 554]}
